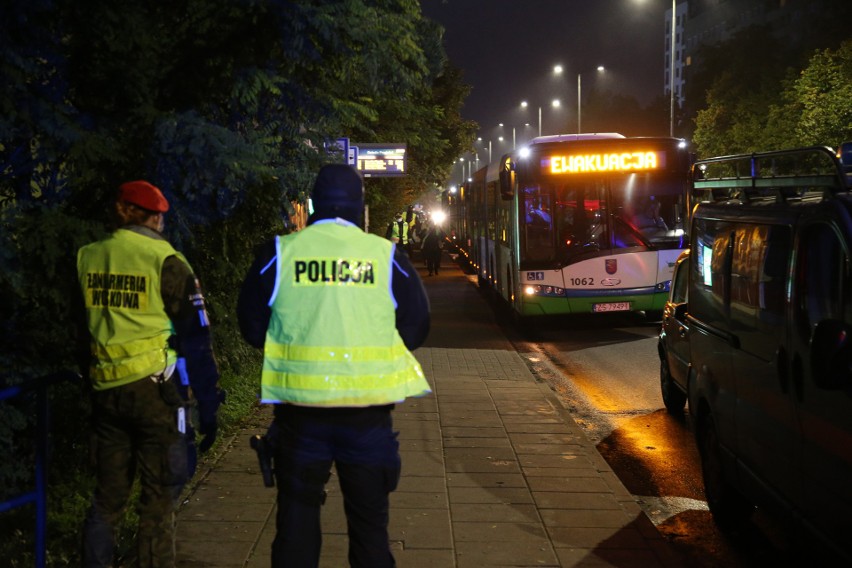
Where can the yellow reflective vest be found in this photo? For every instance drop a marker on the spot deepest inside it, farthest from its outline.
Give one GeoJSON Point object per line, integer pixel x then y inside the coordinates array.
{"type": "Point", "coordinates": [399, 232]}
{"type": "Point", "coordinates": [332, 338]}
{"type": "Point", "coordinates": [127, 321]}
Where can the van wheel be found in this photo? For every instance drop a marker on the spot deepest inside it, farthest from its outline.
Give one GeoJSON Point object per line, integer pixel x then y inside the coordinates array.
{"type": "Point", "coordinates": [653, 316]}
{"type": "Point", "coordinates": [730, 510]}
{"type": "Point", "coordinates": [673, 397]}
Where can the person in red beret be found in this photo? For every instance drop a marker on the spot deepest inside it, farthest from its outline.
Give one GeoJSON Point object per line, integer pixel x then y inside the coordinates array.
{"type": "Point", "coordinates": [145, 319]}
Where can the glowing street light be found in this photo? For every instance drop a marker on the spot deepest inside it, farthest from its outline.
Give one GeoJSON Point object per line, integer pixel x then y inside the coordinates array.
{"type": "Point", "coordinates": [554, 103]}
{"type": "Point", "coordinates": [513, 136]}
{"type": "Point", "coordinates": [557, 70]}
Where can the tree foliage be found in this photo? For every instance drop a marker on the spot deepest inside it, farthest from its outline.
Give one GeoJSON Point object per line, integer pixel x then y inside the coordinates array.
{"type": "Point", "coordinates": [805, 107]}
{"type": "Point", "coordinates": [757, 91]}
{"type": "Point", "coordinates": [226, 105]}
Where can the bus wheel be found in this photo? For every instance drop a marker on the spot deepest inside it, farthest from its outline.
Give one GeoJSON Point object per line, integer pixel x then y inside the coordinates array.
{"type": "Point", "coordinates": [730, 510]}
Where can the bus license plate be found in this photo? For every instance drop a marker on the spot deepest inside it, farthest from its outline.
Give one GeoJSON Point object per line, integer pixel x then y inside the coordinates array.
{"type": "Point", "coordinates": [611, 307]}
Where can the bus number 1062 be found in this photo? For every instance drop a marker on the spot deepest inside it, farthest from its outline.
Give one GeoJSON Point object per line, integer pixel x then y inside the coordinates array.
{"type": "Point", "coordinates": [582, 281]}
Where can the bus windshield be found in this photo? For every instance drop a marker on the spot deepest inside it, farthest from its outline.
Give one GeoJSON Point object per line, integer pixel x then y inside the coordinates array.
{"type": "Point", "coordinates": [564, 222]}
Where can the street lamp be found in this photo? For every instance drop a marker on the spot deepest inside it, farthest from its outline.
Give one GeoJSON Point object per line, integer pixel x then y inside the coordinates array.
{"type": "Point", "coordinates": [554, 103]}
{"type": "Point", "coordinates": [479, 139]}
{"type": "Point", "coordinates": [514, 139]}
{"type": "Point", "coordinates": [557, 70]}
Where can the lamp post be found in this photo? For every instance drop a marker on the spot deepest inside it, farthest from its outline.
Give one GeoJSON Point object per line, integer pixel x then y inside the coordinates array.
{"type": "Point", "coordinates": [555, 103]}
{"type": "Point", "coordinates": [672, 69]}
{"type": "Point", "coordinates": [579, 102]}
{"type": "Point", "coordinates": [672, 47]}
{"type": "Point", "coordinates": [557, 70]}
{"type": "Point", "coordinates": [479, 139]}
{"type": "Point", "coordinates": [514, 138]}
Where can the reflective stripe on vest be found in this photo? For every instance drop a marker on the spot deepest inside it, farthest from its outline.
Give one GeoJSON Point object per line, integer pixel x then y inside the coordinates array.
{"type": "Point", "coordinates": [313, 357]}
{"type": "Point", "coordinates": [120, 280]}
{"type": "Point", "coordinates": [400, 232]}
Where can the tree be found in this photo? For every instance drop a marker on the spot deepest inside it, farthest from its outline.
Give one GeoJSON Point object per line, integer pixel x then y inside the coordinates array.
{"type": "Point", "coordinates": [820, 97]}
{"type": "Point", "coordinates": [806, 107]}
{"type": "Point", "coordinates": [227, 105]}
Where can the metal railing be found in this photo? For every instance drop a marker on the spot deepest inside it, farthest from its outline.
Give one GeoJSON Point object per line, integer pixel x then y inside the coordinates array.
{"type": "Point", "coordinates": [39, 494]}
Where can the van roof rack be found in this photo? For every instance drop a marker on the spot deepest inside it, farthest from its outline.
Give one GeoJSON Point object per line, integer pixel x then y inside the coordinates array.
{"type": "Point", "coordinates": [769, 177]}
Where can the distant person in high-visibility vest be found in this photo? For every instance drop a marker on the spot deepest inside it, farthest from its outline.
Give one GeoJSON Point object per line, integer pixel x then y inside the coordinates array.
{"type": "Point", "coordinates": [337, 312]}
{"type": "Point", "coordinates": [141, 310]}
{"type": "Point", "coordinates": [397, 232]}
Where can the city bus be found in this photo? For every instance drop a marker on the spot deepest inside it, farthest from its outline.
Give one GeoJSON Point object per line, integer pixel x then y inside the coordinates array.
{"type": "Point", "coordinates": [585, 223]}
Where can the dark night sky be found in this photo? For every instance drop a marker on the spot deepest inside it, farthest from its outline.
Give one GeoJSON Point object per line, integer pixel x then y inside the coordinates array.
{"type": "Point", "coordinates": [507, 50]}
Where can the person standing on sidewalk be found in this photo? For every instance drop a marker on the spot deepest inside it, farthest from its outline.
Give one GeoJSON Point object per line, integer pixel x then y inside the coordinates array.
{"type": "Point", "coordinates": [337, 312]}
{"type": "Point", "coordinates": [432, 245]}
{"type": "Point", "coordinates": [141, 308]}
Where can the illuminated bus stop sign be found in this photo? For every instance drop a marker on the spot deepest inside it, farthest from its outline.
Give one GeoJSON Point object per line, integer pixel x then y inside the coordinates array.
{"type": "Point", "coordinates": [375, 160]}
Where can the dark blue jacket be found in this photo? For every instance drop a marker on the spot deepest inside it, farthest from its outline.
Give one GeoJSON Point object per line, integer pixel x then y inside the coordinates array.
{"type": "Point", "coordinates": [254, 312]}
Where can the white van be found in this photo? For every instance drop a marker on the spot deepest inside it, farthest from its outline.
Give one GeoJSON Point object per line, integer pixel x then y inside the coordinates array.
{"type": "Point", "coordinates": [770, 338]}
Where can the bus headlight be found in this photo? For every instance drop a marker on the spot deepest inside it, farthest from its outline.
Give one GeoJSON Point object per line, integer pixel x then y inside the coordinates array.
{"type": "Point", "coordinates": [544, 291]}
{"type": "Point", "coordinates": [664, 286]}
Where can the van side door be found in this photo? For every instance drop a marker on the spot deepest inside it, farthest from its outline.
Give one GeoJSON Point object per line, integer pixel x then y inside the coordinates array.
{"type": "Point", "coordinates": [767, 428]}
{"type": "Point", "coordinates": [823, 290]}
{"type": "Point", "coordinates": [709, 334]}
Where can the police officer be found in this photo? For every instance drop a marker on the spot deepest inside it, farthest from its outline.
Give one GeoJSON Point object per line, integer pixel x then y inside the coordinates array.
{"type": "Point", "coordinates": [398, 232]}
{"type": "Point", "coordinates": [143, 308]}
{"type": "Point", "coordinates": [337, 311]}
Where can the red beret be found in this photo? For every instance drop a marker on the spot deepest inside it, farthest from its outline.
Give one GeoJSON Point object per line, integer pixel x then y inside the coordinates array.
{"type": "Point", "coordinates": [144, 195]}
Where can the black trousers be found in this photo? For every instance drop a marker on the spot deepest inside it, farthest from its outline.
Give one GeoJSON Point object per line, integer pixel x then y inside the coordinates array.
{"type": "Point", "coordinates": [362, 445]}
{"type": "Point", "coordinates": [433, 260]}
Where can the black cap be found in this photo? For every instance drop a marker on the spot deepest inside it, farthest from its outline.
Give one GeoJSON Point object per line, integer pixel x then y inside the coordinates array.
{"type": "Point", "coordinates": [339, 190]}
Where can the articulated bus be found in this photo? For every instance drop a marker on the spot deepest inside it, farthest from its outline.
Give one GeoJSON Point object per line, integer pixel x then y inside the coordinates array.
{"type": "Point", "coordinates": [580, 223]}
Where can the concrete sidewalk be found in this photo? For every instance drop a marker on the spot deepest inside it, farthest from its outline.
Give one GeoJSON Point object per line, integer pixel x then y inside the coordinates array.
{"type": "Point", "coordinates": [495, 471]}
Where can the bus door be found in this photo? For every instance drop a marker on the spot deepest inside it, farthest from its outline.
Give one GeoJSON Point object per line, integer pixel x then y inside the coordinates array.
{"type": "Point", "coordinates": [537, 224]}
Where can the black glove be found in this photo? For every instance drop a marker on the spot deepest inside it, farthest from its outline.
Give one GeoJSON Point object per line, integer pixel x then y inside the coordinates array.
{"type": "Point", "coordinates": [208, 423]}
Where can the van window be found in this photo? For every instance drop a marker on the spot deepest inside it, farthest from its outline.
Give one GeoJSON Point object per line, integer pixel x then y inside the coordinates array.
{"type": "Point", "coordinates": [679, 290]}
{"type": "Point", "coordinates": [822, 277]}
{"type": "Point", "coordinates": [758, 286]}
{"type": "Point", "coordinates": [759, 269]}
{"type": "Point", "coordinates": [710, 269]}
